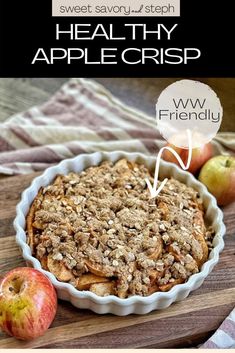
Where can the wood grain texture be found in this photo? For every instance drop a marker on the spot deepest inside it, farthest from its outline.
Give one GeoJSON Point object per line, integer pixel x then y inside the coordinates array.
{"type": "Point", "coordinates": [183, 324]}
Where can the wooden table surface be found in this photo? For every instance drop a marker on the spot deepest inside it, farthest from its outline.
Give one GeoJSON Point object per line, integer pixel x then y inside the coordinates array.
{"type": "Point", "coordinates": [183, 324]}
{"type": "Point", "coordinates": [186, 323]}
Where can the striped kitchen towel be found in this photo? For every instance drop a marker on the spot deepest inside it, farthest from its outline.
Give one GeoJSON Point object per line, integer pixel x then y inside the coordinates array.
{"type": "Point", "coordinates": [224, 337]}
{"type": "Point", "coordinates": [83, 117]}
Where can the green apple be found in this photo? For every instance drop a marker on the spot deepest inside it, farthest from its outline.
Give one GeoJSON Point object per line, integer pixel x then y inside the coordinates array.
{"type": "Point", "coordinates": [218, 174]}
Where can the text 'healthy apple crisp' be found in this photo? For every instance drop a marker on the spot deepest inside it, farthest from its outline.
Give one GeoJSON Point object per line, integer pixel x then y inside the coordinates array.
{"type": "Point", "coordinates": [100, 231]}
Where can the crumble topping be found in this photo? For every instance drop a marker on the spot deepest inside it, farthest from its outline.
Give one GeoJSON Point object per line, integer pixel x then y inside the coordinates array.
{"type": "Point", "coordinates": [100, 231]}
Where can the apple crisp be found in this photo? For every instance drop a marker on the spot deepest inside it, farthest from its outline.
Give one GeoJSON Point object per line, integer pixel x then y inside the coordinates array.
{"type": "Point", "coordinates": [100, 231]}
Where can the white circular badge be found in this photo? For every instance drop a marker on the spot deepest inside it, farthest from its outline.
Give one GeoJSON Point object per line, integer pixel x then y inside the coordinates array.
{"type": "Point", "coordinates": [188, 105]}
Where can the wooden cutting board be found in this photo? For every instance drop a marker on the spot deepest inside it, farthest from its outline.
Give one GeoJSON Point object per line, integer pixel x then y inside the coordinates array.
{"type": "Point", "coordinates": [183, 324]}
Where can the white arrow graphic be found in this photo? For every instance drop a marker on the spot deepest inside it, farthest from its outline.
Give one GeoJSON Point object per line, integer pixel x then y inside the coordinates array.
{"type": "Point", "coordinates": [153, 189]}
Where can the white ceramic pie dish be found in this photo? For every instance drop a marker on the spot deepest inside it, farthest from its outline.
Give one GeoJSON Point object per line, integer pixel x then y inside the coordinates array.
{"type": "Point", "coordinates": [112, 304]}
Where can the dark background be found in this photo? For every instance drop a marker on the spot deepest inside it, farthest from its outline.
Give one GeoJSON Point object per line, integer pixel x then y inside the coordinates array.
{"type": "Point", "coordinates": [27, 25]}
{"type": "Point", "coordinates": [18, 94]}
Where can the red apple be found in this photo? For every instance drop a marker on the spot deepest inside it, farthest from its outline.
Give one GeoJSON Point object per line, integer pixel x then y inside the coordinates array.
{"type": "Point", "coordinates": [199, 156]}
{"type": "Point", "coordinates": [28, 303]}
{"type": "Point", "coordinates": [218, 174]}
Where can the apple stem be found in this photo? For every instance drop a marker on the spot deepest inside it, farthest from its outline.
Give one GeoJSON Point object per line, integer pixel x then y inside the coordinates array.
{"type": "Point", "coordinates": [227, 163]}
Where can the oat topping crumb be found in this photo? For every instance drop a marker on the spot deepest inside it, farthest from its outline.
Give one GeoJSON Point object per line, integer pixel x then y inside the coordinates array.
{"type": "Point", "coordinates": [99, 230]}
